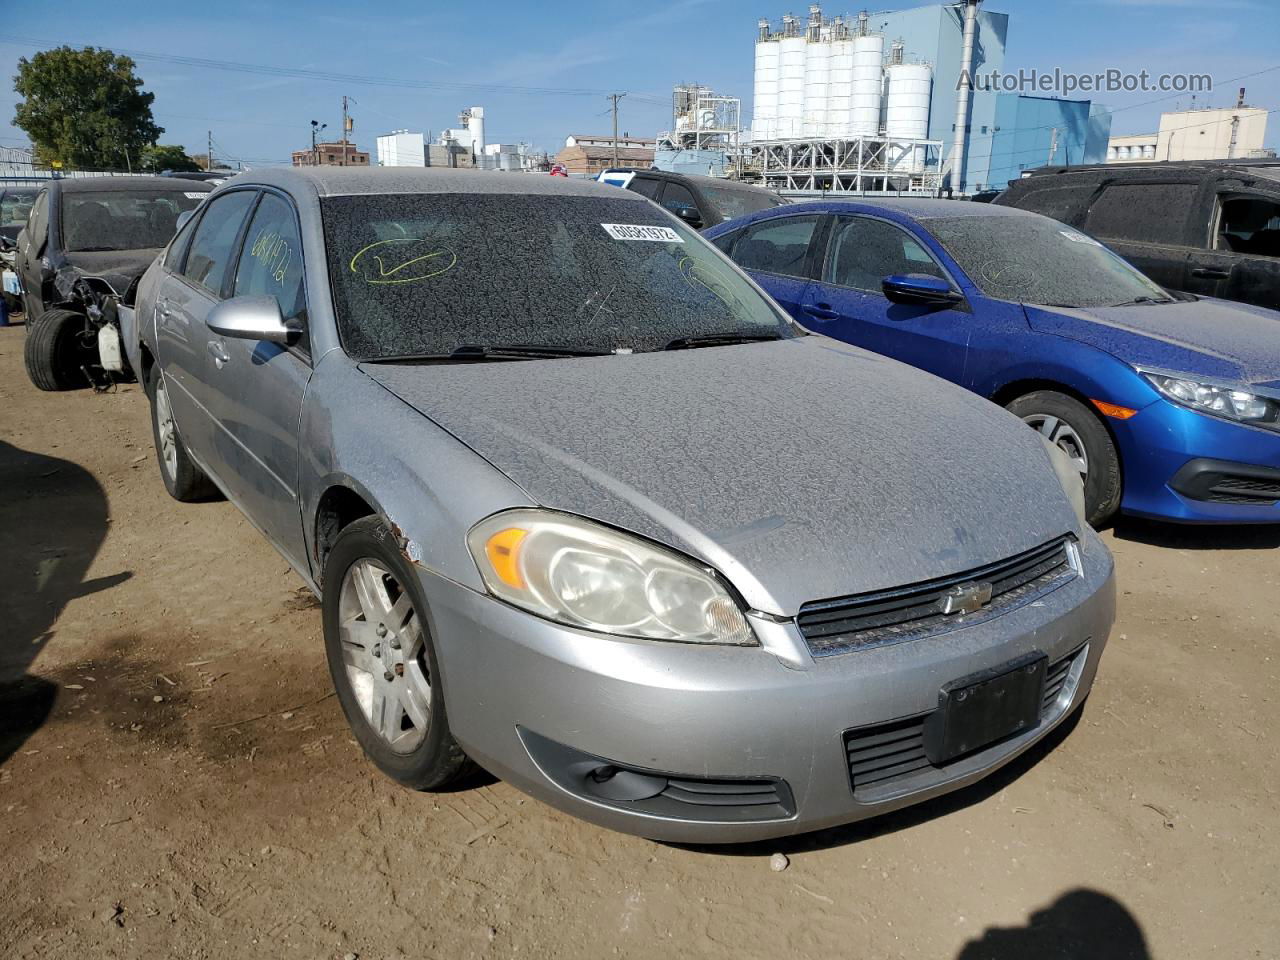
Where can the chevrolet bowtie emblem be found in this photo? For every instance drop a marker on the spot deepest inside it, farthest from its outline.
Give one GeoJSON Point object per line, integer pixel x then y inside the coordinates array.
{"type": "Point", "coordinates": [966, 598]}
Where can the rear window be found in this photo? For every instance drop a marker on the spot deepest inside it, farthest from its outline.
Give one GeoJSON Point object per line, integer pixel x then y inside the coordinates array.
{"type": "Point", "coordinates": [123, 219]}
{"type": "Point", "coordinates": [424, 274]}
{"type": "Point", "coordinates": [731, 202]}
{"type": "Point", "coordinates": [1146, 212]}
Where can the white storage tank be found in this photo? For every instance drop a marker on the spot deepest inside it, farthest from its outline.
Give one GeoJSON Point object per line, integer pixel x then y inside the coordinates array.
{"type": "Point", "coordinates": [867, 85]}
{"type": "Point", "coordinates": [840, 88]}
{"type": "Point", "coordinates": [791, 86]}
{"type": "Point", "coordinates": [817, 76]}
{"type": "Point", "coordinates": [764, 119]}
{"type": "Point", "coordinates": [910, 86]}
{"type": "Point", "coordinates": [1148, 151]}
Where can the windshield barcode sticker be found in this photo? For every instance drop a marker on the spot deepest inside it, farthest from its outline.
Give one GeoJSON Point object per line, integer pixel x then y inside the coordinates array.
{"type": "Point", "coordinates": [635, 231]}
{"type": "Point", "coordinates": [194, 196]}
{"type": "Point", "coordinates": [1079, 237]}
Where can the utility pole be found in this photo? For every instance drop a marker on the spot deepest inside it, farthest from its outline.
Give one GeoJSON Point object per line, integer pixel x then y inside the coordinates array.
{"type": "Point", "coordinates": [208, 157]}
{"type": "Point", "coordinates": [346, 127]}
{"type": "Point", "coordinates": [615, 97]}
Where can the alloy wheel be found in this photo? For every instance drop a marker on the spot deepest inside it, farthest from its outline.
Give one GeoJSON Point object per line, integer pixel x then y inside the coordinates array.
{"type": "Point", "coordinates": [167, 430]}
{"type": "Point", "coordinates": [1063, 436]}
{"type": "Point", "coordinates": [384, 656]}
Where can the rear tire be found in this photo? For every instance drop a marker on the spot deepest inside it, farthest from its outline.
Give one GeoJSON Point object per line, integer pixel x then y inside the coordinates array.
{"type": "Point", "coordinates": [382, 659]}
{"type": "Point", "coordinates": [1076, 430]}
{"type": "Point", "coordinates": [185, 481]}
{"type": "Point", "coordinates": [54, 351]}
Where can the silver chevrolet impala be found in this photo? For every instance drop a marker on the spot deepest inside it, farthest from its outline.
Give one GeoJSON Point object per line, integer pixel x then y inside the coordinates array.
{"type": "Point", "coordinates": [584, 507]}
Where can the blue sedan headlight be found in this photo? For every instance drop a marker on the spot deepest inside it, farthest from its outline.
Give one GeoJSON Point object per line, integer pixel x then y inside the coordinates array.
{"type": "Point", "coordinates": [1216, 399]}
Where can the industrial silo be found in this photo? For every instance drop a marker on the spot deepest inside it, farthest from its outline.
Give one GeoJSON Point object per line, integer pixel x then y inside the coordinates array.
{"type": "Point", "coordinates": [764, 120]}
{"type": "Point", "coordinates": [867, 86]}
{"type": "Point", "coordinates": [817, 74]}
{"type": "Point", "coordinates": [840, 86]}
{"type": "Point", "coordinates": [907, 114]}
{"type": "Point", "coordinates": [791, 79]}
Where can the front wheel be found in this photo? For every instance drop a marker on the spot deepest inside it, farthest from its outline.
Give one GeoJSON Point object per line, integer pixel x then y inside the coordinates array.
{"type": "Point", "coordinates": [1078, 432]}
{"type": "Point", "coordinates": [55, 351]}
{"type": "Point", "coordinates": [383, 661]}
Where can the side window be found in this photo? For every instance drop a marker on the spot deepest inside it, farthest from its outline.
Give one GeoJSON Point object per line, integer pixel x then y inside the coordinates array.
{"type": "Point", "coordinates": [725, 243]}
{"type": "Point", "coordinates": [776, 246]}
{"type": "Point", "coordinates": [1066, 202]}
{"type": "Point", "coordinates": [676, 196]}
{"type": "Point", "coordinates": [863, 252]}
{"type": "Point", "coordinates": [38, 221]}
{"type": "Point", "coordinates": [1145, 212]}
{"type": "Point", "coordinates": [178, 245]}
{"type": "Point", "coordinates": [271, 261]}
{"type": "Point", "coordinates": [1250, 225]}
{"type": "Point", "coordinates": [646, 186]}
{"type": "Point", "coordinates": [214, 241]}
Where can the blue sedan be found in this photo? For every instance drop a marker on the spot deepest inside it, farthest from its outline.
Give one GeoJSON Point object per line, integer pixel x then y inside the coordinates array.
{"type": "Point", "coordinates": [1167, 404]}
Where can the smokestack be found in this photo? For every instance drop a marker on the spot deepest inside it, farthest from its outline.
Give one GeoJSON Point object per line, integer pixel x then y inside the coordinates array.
{"type": "Point", "coordinates": [963, 96]}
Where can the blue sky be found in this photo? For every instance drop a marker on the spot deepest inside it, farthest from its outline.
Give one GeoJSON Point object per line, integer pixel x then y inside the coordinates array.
{"type": "Point", "coordinates": [583, 50]}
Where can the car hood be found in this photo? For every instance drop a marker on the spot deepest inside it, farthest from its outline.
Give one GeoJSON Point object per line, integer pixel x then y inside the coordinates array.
{"type": "Point", "coordinates": [1213, 338]}
{"type": "Point", "coordinates": [801, 470]}
{"type": "Point", "coordinates": [118, 267]}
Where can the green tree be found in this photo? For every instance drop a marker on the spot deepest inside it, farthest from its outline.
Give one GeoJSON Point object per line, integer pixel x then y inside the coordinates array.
{"type": "Point", "coordinates": [84, 108]}
{"type": "Point", "coordinates": [166, 156]}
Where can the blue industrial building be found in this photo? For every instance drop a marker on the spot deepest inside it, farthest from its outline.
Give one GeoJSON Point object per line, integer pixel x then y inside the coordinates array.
{"type": "Point", "coordinates": [1009, 132]}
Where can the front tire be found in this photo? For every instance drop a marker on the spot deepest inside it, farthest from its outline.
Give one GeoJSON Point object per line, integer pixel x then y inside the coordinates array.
{"type": "Point", "coordinates": [54, 351]}
{"type": "Point", "coordinates": [1076, 430]}
{"type": "Point", "coordinates": [383, 661]}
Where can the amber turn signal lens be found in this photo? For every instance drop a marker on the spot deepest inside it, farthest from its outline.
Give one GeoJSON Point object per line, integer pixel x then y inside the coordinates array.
{"type": "Point", "coordinates": [503, 551]}
{"type": "Point", "coordinates": [1113, 410]}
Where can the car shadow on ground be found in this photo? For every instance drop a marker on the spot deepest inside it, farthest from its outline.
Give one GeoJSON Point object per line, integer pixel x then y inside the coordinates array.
{"type": "Point", "coordinates": [899, 819]}
{"type": "Point", "coordinates": [53, 519]}
{"type": "Point", "coordinates": [1186, 536]}
{"type": "Point", "coordinates": [1079, 925]}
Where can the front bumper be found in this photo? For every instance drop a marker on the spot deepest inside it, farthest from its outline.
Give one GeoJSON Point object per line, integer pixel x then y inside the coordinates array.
{"type": "Point", "coordinates": [1160, 449]}
{"type": "Point", "coordinates": [709, 713]}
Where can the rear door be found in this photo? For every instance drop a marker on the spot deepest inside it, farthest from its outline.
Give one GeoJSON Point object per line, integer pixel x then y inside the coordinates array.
{"type": "Point", "coordinates": [183, 340]}
{"type": "Point", "coordinates": [779, 252]}
{"type": "Point", "coordinates": [1242, 261]}
{"type": "Point", "coordinates": [257, 388]}
{"type": "Point", "coordinates": [1151, 223]}
{"type": "Point", "coordinates": [848, 303]}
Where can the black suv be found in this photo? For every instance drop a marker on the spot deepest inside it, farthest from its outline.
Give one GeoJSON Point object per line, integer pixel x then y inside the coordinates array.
{"type": "Point", "coordinates": [1208, 228]}
{"type": "Point", "coordinates": [701, 202]}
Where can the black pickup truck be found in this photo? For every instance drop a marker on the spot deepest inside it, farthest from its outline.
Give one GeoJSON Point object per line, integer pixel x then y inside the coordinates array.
{"type": "Point", "coordinates": [1210, 228]}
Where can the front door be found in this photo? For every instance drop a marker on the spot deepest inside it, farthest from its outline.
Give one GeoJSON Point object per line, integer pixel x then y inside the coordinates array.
{"type": "Point", "coordinates": [32, 241]}
{"type": "Point", "coordinates": [257, 387]}
{"type": "Point", "coordinates": [848, 302]}
{"type": "Point", "coordinates": [1243, 262]}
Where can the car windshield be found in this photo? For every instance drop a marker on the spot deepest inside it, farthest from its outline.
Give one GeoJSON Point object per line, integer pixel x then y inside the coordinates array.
{"type": "Point", "coordinates": [426, 274]}
{"type": "Point", "coordinates": [733, 202]}
{"type": "Point", "coordinates": [123, 219]}
{"type": "Point", "coordinates": [1031, 259]}
{"type": "Point", "coordinates": [14, 207]}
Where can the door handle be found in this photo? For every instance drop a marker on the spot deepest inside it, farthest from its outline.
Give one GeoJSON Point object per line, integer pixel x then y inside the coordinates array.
{"type": "Point", "coordinates": [822, 311]}
{"type": "Point", "coordinates": [220, 355]}
{"type": "Point", "coordinates": [1210, 273]}
{"type": "Point", "coordinates": [162, 309]}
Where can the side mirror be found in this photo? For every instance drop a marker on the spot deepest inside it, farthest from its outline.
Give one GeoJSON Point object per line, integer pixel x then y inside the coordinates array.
{"type": "Point", "coordinates": [916, 288]}
{"type": "Point", "coordinates": [183, 217]}
{"type": "Point", "coordinates": [249, 318]}
{"type": "Point", "coordinates": [689, 215]}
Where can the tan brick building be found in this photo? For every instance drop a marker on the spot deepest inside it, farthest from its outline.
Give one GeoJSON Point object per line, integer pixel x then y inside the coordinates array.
{"type": "Point", "coordinates": [331, 155]}
{"type": "Point", "coordinates": [589, 155]}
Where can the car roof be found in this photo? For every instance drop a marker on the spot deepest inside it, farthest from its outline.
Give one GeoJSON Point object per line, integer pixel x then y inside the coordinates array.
{"type": "Point", "coordinates": [357, 181]}
{"type": "Point", "coordinates": [103, 184]}
{"type": "Point", "coordinates": [699, 179]}
{"type": "Point", "coordinates": [1266, 168]}
{"type": "Point", "coordinates": [914, 208]}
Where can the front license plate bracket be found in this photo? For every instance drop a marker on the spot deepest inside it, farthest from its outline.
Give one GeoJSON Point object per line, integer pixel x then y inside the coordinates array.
{"type": "Point", "coordinates": [986, 707]}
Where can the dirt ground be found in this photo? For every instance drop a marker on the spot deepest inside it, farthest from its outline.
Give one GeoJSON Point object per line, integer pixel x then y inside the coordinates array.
{"type": "Point", "coordinates": [177, 781]}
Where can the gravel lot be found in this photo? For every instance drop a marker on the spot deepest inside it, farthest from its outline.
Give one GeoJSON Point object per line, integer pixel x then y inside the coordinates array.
{"type": "Point", "coordinates": [176, 780]}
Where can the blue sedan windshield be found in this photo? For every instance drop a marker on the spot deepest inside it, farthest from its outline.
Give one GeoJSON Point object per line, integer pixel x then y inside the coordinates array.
{"type": "Point", "coordinates": [1030, 259]}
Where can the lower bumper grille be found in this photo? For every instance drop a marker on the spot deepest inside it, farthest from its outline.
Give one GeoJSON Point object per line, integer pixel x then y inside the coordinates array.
{"type": "Point", "coordinates": [1221, 481]}
{"type": "Point", "coordinates": [906, 613]}
{"type": "Point", "coordinates": [882, 755]}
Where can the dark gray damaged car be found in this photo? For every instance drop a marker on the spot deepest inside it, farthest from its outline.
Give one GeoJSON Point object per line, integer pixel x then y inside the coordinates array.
{"type": "Point", "coordinates": [586, 508]}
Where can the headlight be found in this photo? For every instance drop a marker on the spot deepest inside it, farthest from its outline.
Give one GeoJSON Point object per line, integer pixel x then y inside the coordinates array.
{"type": "Point", "coordinates": [1218, 400]}
{"type": "Point", "coordinates": [586, 575]}
{"type": "Point", "coordinates": [1069, 477]}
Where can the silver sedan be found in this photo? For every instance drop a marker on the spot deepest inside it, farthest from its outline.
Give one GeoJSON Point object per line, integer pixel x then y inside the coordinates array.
{"type": "Point", "coordinates": [585, 507]}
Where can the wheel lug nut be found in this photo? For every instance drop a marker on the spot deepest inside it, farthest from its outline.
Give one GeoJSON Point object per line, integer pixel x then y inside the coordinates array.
{"type": "Point", "coordinates": [377, 650]}
{"type": "Point", "coordinates": [381, 630]}
{"type": "Point", "coordinates": [395, 643]}
{"type": "Point", "coordinates": [399, 669]}
{"type": "Point", "coordinates": [388, 676]}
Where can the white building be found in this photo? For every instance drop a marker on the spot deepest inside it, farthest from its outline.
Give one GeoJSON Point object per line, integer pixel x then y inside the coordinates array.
{"type": "Point", "coordinates": [1224, 133]}
{"type": "Point", "coordinates": [400, 148]}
